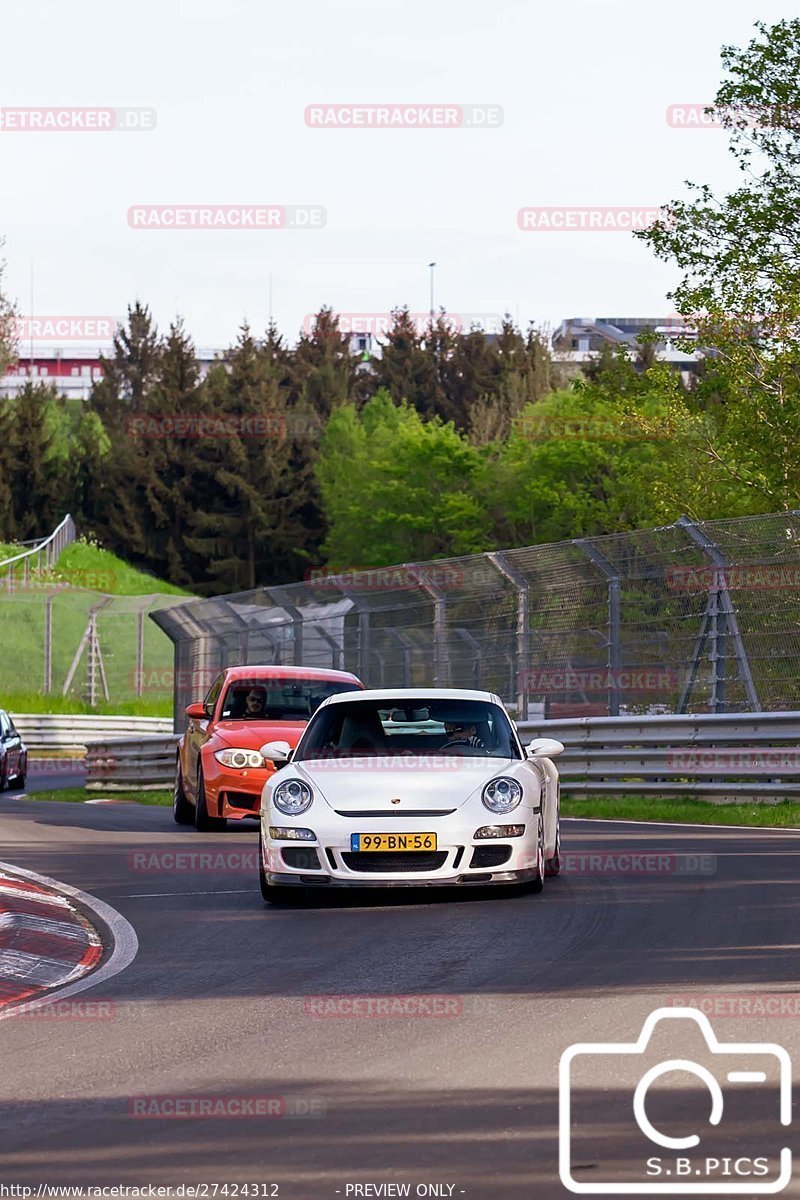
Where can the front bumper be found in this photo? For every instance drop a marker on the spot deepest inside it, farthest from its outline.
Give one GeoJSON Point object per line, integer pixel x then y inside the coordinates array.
{"type": "Point", "coordinates": [328, 861]}
{"type": "Point", "coordinates": [234, 794]}
{"type": "Point", "coordinates": [468, 879]}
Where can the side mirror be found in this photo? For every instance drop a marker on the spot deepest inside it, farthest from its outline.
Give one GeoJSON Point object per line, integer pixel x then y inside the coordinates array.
{"type": "Point", "coordinates": [196, 712]}
{"type": "Point", "coordinates": [277, 752]}
{"type": "Point", "coordinates": [544, 748]}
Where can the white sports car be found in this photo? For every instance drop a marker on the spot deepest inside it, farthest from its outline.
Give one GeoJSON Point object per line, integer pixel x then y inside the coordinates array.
{"type": "Point", "coordinates": [409, 787]}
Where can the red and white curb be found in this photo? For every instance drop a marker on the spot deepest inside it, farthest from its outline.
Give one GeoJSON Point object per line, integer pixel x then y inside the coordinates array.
{"type": "Point", "coordinates": [44, 941]}
{"type": "Point", "coordinates": [47, 944]}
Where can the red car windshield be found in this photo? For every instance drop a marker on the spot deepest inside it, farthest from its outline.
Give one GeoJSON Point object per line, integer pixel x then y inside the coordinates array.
{"type": "Point", "coordinates": [292, 699]}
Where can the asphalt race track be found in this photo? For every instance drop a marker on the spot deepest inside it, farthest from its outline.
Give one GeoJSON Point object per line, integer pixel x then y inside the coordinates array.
{"type": "Point", "coordinates": [223, 1001]}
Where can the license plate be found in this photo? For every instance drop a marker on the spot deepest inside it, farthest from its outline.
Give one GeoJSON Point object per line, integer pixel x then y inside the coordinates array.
{"type": "Point", "coordinates": [392, 841]}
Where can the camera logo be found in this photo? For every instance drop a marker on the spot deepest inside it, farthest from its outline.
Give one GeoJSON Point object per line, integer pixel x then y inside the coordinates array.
{"type": "Point", "coordinates": [749, 1086]}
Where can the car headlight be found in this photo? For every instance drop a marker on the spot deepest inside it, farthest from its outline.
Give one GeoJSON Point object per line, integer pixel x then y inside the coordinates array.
{"type": "Point", "coordinates": [292, 797]}
{"type": "Point", "coordinates": [502, 795]}
{"type": "Point", "coordinates": [239, 758]}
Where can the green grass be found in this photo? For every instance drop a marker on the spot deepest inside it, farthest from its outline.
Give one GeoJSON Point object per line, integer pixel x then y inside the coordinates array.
{"type": "Point", "coordinates": [38, 702]}
{"type": "Point", "coordinates": [81, 795]}
{"type": "Point", "coordinates": [22, 635]}
{"type": "Point", "coordinates": [683, 810]}
{"type": "Point", "coordinates": [88, 565]}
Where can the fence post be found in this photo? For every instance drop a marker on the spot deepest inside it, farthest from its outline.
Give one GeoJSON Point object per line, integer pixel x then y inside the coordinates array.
{"type": "Point", "coordinates": [613, 647]}
{"type": "Point", "coordinates": [501, 563]}
{"type": "Point", "coordinates": [139, 651]}
{"type": "Point", "coordinates": [48, 645]}
{"type": "Point", "coordinates": [719, 620]}
{"type": "Point", "coordinates": [440, 657]}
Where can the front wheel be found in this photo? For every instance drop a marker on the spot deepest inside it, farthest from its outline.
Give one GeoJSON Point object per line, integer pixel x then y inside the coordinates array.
{"type": "Point", "coordinates": [202, 820]}
{"type": "Point", "coordinates": [182, 810]}
{"type": "Point", "coordinates": [554, 863]}
{"type": "Point", "coordinates": [537, 885]}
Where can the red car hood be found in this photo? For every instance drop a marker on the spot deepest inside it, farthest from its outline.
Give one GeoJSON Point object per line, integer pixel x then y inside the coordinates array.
{"type": "Point", "coordinates": [251, 735]}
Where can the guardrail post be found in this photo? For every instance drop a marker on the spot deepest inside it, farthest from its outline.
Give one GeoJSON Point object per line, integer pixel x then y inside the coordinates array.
{"type": "Point", "coordinates": [613, 645]}
{"type": "Point", "coordinates": [518, 581]}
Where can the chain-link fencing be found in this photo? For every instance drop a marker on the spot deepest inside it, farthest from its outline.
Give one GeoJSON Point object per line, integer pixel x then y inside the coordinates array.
{"type": "Point", "coordinates": [691, 617]}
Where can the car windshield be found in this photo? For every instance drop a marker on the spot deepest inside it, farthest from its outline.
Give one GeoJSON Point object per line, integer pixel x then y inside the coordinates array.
{"type": "Point", "coordinates": [468, 728]}
{"type": "Point", "coordinates": [278, 699]}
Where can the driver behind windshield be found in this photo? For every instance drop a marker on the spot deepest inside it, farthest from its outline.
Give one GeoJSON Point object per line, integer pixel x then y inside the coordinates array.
{"type": "Point", "coordinates": [255, 703]}
{"type": "Point", "coordinates": [463, 735]}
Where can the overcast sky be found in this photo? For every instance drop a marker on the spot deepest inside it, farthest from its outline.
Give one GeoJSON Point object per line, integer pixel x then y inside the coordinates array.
{"type": "Point", "coordinates": [584, 88]}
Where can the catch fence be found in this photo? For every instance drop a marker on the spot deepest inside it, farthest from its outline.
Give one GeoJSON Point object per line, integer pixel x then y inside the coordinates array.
{"type": "Point", "coordinates": [690, 617]}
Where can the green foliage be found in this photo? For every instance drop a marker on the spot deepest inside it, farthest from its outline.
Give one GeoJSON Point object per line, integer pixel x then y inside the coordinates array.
{"type": "Point", "coordinates": [739, 256]}
{"type": "Point", "coordinates": [397, 488]}
{"type": "Point", "coordinates": [85, 560]}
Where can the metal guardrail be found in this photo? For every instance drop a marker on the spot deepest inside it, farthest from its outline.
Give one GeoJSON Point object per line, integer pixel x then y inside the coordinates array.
{"type": "Point", "coordinates": [142, 764]}
{"type": "Point", "coordinates": [51, 731]}
{"type": "Point", "coordinates": [48, 548]}
{"type": "Point", "coordinates": [731, 754]}
{"type": "Point", "coordinates": [757, 754]}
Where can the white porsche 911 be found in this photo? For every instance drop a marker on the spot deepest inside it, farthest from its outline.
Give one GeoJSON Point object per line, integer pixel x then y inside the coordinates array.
{"type": "Point", "coordinates": [409, 787]}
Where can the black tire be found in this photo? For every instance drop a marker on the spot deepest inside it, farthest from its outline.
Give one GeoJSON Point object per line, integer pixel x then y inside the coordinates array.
{"type": "Point", "coordinates": [554, 863]}
{"type": "Point", "coordinates": [202, 821]}
{"type": "Point", "coordinates": [3, 775]}
{"type": "Point", "coordinates": [274, 893]}
{"type": "Point", "coordinates": [182, 809]}
{"type": "Point", "coordinates": [537, 885]}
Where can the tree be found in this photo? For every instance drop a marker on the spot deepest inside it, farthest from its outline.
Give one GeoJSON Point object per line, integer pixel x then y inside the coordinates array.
{"type": "Point", "coordinates": [254, 526]}
{"type": "Point", "coordinates": [740, 259]}
{"type": "Point", "coordinates": [8, 325]}
{"type": "Point", "coordinates": [398, 489]}
{"type": "Point", "coordinates": [41, 457]}
{"type": "Point", "coordinates": [323, 371]}
{"type": "Point", "coordinates": [114, 509]}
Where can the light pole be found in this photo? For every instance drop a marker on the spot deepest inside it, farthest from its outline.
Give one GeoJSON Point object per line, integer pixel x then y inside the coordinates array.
{"type": "Point", "coordinates": [430, 267]}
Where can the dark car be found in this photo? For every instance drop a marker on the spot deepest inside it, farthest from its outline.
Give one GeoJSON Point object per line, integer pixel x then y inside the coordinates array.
{"type": "Point", "coordinates": [13, 754]}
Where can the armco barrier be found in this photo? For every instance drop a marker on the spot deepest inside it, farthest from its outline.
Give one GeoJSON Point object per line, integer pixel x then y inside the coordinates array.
{"type": "Point", "coordinates": [50, 731]}
{"type": "Point", "coordinates": [757, 754]}
{"type": "Point", "coordinates": [131, 764]}
{"type": "Point", "coordinates": [730, 754]}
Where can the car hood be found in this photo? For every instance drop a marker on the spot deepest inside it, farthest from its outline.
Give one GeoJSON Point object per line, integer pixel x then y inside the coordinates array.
{"type": "Point", "coordinates": [368, 784]}
{"type": "Point", "coordinates": [251, 735]}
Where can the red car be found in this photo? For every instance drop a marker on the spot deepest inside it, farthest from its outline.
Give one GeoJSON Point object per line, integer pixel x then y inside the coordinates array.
{"type": "Point", "coordinates": [219, 771]}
